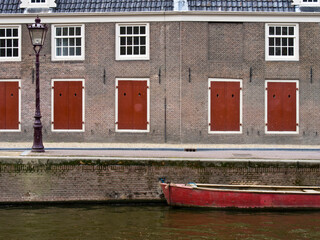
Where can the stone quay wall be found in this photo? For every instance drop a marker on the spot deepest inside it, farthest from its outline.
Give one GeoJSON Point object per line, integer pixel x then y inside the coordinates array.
{"type": "Point", "coordinates": [63, 180]}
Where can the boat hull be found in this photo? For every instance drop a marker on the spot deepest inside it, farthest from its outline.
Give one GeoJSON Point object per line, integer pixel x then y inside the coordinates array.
{"type": "Point", "coordinates": [188, 196]}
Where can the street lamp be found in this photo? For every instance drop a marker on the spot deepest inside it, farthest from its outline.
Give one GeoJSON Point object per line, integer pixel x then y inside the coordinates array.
{"type": "Point", "coordinates": [37, 33]}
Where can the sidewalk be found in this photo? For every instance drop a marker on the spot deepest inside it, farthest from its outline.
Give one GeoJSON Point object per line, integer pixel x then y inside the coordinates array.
{"type": "Point", "coordinates": [205, 152]}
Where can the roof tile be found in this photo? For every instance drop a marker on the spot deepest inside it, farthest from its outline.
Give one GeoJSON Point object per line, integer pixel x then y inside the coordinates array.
{"type": "Point", "coordinates": [12, 6]}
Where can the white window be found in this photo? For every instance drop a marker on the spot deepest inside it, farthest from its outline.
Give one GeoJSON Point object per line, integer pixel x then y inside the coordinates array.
{"type": "Point", "coordinates": [282, 42]}
{"type": "Point", "coordinates": [306, 3]}
{"type": "Point", "coordinates": [68, 42]}
{"type": "Point", "coordinates": [10, 43]}
{"type": "Point", "coordinates": [37, 3]}
{"type": "Point", "coordinates": [132, 41]}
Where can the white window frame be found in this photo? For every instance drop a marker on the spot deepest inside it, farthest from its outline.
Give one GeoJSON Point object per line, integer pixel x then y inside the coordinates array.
{"type": "Point", "coordinates": [295, 56]}
{"type": "Point", "coordinates": [52, 105]}
{"type": "Point", "coordinates": [54, 57]}
{"type": "Point", "coordinates": [19, 107]}
{"type": "Point", "coordinates": [29, 4]}
{"type": "Point", "coordinates": [266, 107]}
{"type": "Point", "coordinates": [209, 105]}
{"type": "Point", "coordinates": [132, 57]}
{"type": "Point", "coordinates": [148, 105]}
{"type": "Point", "coordinates": [306, 4]}
{"type": "Point", "coordinates": [13, 59]}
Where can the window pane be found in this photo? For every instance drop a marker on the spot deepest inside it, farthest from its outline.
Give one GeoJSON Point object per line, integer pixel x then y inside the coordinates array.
{"type": "Point", "coordinates": [136, 40]}
{"type": "Point", "coordinates": [129, 50]}
{"type": "Point", "coordinates": [71, 51]}
{"type": "Point", "coordinates": [78, 31]}
{"type": "Point", "coordinates": [271, 41]}
{"type": "Point", "coordinates": [9, 52]}
{"type": "Point", "coordinates": [290, 51]}
{"type": "Point", "coordinates": [284, 51]}
{"type": "Point", "coordinates": [15, 52]}
{"type": "Point", "coordinates": [65, 31]}
{"type": "Point", "coordinates": [278, 30]}
{"type": "Point", "coordinates": [65, 51]}
{"type": "Point", "coordinates": [78, 41]}
{"type": "Point", "coordinates": [15, 42]}
{"type": "Point", "coordinates": [284, 42]}
{"type": "Point", "coordinates": [2, 52]}
{"type": "Point", "coordinates": [15, 32]}
{"type": "Point", "coordinates": [122, 30]}
{"type": "Point", "coordinates": [9, 33]}
{"type": "Point", "coordinates": [78, 51]}
{"type": "Point", "coordinates": [136, 30]}
{"type": "Point", "coordinates": [129, 30]}
{"type": "Point", "coordinates": [271, 51]}
{"type": "Point", "coordinates": [65, 42]}
{"type": "Point", "coordinates": [71, 42]}
{"type": "Point", "coordinates": [129, 41]}
{"type": "Point", "coordinates": [2, 43]}
{"type": "Point", "coordinates": [291, 30]}
{"type": "Point", "coordinates": [59, 42]}
{"type": "Point", "coordinates": [123, 41]}
{"type": "Point", "coordinates": [2, 32]}
{"type": "Point", "coordinates": [143, 40]}
{"type": "Point", "coordinates": [278, 41]}
{"type": "Point", "coordinates": [142, 30]}
{"type": "Point", "coordinates": [122, 51]}
{"type": "Point", "coordinates": [58, 51]}
{"type": "Point", "coordinates": [278, 51]}
{"type": "Point", "coordinates": [290, 41]}
{"type": "Point", "coordinates": [58, 31]}
{"type": "Point", "coordinates": [142, 50]}
{"type": "Point", "coordinates": [284, 30]}
{"type": "Point", "coordinates": [71, 31]}
{"type": "Point", "coordinates": [136, 50]}
{"type": "Point", "coordinates": [9, 42]}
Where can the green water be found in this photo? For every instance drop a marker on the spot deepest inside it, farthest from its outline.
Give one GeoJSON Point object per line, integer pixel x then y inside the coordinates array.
{"type": "Point", "coordinates": [153, 222]}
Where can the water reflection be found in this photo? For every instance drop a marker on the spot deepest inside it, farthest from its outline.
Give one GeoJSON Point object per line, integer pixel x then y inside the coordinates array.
{"type": "Point", "coordinates": [153, 222]}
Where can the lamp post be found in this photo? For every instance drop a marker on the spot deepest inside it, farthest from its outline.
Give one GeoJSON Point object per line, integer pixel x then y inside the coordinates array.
{"type": "Point", "coordinates": [37, 33]}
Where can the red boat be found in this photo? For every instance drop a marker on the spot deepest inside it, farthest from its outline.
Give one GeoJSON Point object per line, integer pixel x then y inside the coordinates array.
{"type": "Point", "coordinates": [241, 196]}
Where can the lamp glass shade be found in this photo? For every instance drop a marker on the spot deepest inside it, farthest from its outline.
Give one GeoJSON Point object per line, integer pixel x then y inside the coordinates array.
{"type": "Point", "coordinates": [37, 36]}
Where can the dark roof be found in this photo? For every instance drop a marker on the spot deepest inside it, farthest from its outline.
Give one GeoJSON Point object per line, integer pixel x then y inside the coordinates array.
{"type": "Point", "coordinates": [113, 5]}
{"type": "Point", "coordinates": [12, 6]}
{"type": "Point", "coordinates": [241, 5]}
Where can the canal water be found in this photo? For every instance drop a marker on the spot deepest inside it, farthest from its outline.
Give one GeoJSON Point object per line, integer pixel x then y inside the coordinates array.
{"type": "Point", "coordinates": [153, 222]}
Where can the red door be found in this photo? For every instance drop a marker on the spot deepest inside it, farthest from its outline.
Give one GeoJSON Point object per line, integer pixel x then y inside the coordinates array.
{"type": "Point", "coordinates": [225, 106]}
{"type": "Point", "coordinates": [67, 105]}
{"type": "Point", "coordinates": [132, 105]}
{"type": "Point", "coordinates": [75, 105]}
{"type": "Point", "coordinates": [9, 105]}
{"type": "Point", "coordinates": [282, 106]}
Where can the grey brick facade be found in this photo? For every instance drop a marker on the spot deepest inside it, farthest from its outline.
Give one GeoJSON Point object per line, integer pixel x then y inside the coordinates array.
{"type": "Point", "coordinates": [209, 50]}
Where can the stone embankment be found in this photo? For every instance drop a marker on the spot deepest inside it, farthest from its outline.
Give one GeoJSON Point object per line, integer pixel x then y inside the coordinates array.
{"type": "Point", "coordinates": [132, 174]}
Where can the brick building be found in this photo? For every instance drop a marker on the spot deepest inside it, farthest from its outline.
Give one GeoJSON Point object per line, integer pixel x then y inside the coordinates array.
{"type": "Point", "coordinates": [218, 71]}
